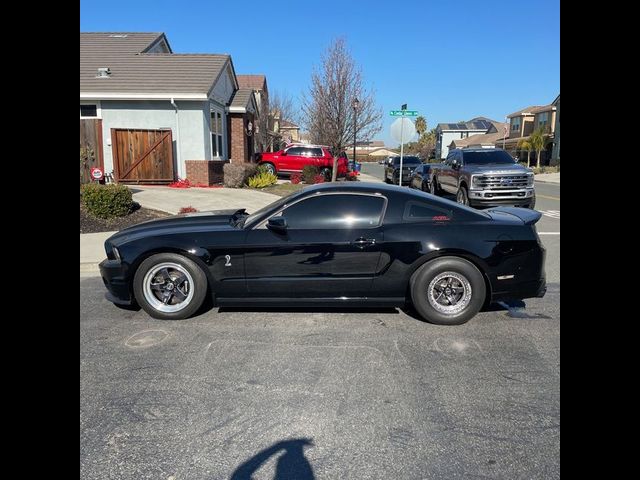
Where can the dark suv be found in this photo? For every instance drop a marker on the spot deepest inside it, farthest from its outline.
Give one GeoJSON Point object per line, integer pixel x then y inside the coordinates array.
{"type": "Point", "coordinates": [392, 168]}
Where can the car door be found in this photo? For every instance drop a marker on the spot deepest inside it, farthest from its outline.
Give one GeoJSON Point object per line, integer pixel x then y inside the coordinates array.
{"type": "Point", "coordinates": [445, 178]}
{"type": "Point", "coordinates": [330, 249]}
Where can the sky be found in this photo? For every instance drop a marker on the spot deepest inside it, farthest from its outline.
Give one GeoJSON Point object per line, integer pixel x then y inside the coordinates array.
{"type": "Point", "coordinates": [449, 60]}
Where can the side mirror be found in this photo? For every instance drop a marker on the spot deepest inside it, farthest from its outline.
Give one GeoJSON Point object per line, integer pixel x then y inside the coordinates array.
{"type": "Point", "coordinates": [277, 224]}
{"type": "Point", "coordinates": [284, 152]}
{"type": "Point", "coordinates": [455, 164]}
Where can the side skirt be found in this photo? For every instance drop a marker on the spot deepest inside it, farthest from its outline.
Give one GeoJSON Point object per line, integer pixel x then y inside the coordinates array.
{"type": "Point", "coordinates": [311, 302]}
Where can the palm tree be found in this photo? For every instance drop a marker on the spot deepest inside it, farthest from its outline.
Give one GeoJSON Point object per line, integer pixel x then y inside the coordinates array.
{"type": "Point", "coordinates": [526, 145]}
{"type": "Point", "coordinates": [421, 125]}
{"type": "Point", "coordinates": [537, 140]}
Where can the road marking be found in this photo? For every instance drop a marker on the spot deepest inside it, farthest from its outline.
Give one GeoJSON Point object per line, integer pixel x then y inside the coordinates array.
{"type": "Point", "coordinates": [547, 197]}
{"type": "Point", "coordinates": [551, 213]}
{"type": "Point", "coordinates": [548, 233]}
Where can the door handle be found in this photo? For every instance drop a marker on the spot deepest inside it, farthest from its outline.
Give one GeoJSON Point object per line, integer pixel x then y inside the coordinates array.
{"type": "Point", "coordinates": [363, 242]}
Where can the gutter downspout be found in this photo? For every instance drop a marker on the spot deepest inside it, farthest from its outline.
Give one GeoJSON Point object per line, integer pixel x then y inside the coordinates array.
{"type": "Point", "coordinates": [178, 162]}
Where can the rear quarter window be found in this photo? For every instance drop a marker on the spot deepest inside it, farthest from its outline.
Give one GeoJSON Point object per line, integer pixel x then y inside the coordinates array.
{"type": "Point", "coordinates": [416, 211]}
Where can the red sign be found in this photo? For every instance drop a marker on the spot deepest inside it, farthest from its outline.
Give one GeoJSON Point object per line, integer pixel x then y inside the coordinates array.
{"type": "Point", "coordinates": [96, 173]}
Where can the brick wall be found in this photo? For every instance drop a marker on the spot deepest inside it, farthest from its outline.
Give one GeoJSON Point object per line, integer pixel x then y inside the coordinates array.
{"type": "Point", "coordinates": [238, 150]}
{"type": "Point", "coordinates": [205, 171]}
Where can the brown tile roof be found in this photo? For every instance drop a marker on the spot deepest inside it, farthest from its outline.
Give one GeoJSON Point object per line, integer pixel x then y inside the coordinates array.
{"type": "Point", "coordinates": [486, 139]}
{"type": "Point", "coordinates": [523, 111]}
{"type": "Point", "coordinates": [257, 82]}
{"type": "Point", "coordinates": [134, 72]}
{"type": "Point", "coordinates": [242, 97]}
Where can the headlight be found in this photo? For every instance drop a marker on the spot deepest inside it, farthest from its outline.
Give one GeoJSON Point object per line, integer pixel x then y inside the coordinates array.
{"type": "Point", "coordinates": [530, 180]}
{"type": "Point", "coordinates": [116, 254]}
{"type": "Point", "coordinates": [475, 180]}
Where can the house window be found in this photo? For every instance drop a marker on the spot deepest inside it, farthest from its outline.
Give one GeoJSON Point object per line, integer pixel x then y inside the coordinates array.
{"type": "Point", "coordinates": [89, 111]}
{"type": "Point", "coordinates": [515, 124]}
{"type": "Point", "coordinates": [543, 119]}
{"type": "Point", "coordinates": [217, 151]}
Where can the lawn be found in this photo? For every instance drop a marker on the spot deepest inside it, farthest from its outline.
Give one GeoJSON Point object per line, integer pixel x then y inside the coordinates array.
{"type": "Point", "coordinates": [283, 189]}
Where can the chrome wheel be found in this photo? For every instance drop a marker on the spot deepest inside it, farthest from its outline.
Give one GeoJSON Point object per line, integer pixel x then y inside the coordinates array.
{"type": "Point", "coordinates": [461, 197]}
{"type": "Point", "coordinates": [449, 293]}
{"type": "Point", "coordinates": [270, 168]}
{"type": "Point", "coordinates": [168, 287]}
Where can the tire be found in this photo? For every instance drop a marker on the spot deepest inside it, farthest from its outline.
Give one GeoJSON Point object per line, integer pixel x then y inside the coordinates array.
{"type": "Point", "coordinates": [427, 286]}
{"type": "Point", "coordinates": [462, 196]}
{"type": "Point", "coordinates": [188, 280]}
{"type": "Point", "coordinates": [326, 172]}
{"type": "Point", "coordinates": [270, 167]}
{"type": "Point", "coordinates": [532, 205]}
{"type": "Point", "coordinates": [423, 187]}
{"type": "Point", "coordinates": [433, 187]}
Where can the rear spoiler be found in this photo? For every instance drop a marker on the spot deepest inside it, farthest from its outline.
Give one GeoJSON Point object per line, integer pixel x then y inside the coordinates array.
{"type": "Point", "coordinates": [527, 215]}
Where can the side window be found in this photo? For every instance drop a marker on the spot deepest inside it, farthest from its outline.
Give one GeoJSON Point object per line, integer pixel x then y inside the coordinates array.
{"type": "Point", "coordinates": [449, 158]}
{"type": "Point", "coordinates": [295, 151]}
{"type": "Point", "coordinates": [335, 211]}
{"type": "Point", "coordinates": [415, 211]}
{"type": "Point", "coordinates": [459, 156]}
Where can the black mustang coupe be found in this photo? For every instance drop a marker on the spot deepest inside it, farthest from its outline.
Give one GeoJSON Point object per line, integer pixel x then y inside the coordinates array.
{"type": "Point", "coordinates": [331, 244]}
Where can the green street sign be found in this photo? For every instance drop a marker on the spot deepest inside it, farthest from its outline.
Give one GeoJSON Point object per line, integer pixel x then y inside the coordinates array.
{"type": "Point", "coordinates": [404, 113]}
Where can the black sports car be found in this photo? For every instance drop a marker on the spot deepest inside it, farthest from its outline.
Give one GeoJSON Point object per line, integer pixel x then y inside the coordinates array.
{"type": "Point", "coordinates": [331, 244]}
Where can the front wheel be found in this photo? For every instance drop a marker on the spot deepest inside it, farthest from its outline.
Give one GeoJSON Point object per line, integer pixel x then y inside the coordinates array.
{"type": "Point", "coordinates": [448, 291]}
{"type": "Point", "coordinates": [169, 286]}
{"type": "Point", "coordinates": [462, 197]}
{"type": "Point", "coordinates": [269, 168]}
{"type": "Point", "coordinates": [532, 205]}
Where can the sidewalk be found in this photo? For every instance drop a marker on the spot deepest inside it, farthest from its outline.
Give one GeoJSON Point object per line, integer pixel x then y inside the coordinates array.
{"type": "Point", "coordinates": [171, 200]}
{"type": "Point", "coordinates": [548, 177]}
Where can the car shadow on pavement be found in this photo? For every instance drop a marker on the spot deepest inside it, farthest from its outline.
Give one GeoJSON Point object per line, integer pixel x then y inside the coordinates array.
{"type": "Point", "coordinates": [289, 466]}
{"type": "Point", "coordinates": [328, 309]}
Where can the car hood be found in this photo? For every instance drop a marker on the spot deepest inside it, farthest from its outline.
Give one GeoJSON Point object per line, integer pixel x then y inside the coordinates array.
{"type": "Point", "coordinates": [214, 220]}
{"type": "Point", "coordinates": [497, 169]}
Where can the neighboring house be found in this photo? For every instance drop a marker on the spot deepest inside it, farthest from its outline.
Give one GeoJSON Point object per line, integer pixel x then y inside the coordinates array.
{"type": "Point", "coordinates": [448, 132]}
{"type": "Point", "coordinates": [496, 134]}
{"type": "Point", "coordinates": [555, 153]}
{"type": "Point", "coordinates": [243, 112]}
{"type": "Point", "coordinates": [370, 150]}
{"type": "Point", "coordinates": [289, 131]}
{"type": "Point", "coordinates": [262, 131]}
{"type": "Point", "coordinates": [162, 115]}
{"type": "Point", "coordinates": [524, 122]}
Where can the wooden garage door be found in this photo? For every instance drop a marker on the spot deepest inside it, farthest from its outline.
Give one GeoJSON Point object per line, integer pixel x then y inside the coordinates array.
{"type": "Point", "coordinates": [142, 156]}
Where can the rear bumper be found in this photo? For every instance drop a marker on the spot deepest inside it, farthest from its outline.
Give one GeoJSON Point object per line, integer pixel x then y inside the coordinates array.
{"type": "Point", "coordinates": [115, 277]}
{"type": "Point", "coordinates": [520, 291]}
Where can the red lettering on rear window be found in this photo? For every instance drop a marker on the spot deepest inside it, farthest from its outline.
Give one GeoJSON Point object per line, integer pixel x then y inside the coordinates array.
{"type": "Point", "coordinates": [440, 218]}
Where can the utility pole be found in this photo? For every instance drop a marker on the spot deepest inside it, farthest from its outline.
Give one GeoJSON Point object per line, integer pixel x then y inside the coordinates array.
{"type": "Point", "coordinates": [403, 108]}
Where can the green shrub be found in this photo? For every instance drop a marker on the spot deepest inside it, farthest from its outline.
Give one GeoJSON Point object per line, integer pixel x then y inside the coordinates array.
{"type": "Point", "coordinates": [107, 201]}
{"type": "Point", "coordinates": [262, 179]}
{"type": "Point", "coordinates": [309, 173]}
{"type": "Point", "coordinates": [236, 174]}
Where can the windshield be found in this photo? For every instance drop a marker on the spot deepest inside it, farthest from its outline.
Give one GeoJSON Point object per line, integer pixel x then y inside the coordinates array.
{"type": "Point", "coordinates": [250, 219]}
{"type": "Point", "coordinates": [489, 157]}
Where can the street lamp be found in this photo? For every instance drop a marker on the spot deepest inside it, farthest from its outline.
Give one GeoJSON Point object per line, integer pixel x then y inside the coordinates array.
{"type": "Point", "coordinates": [355, 106]}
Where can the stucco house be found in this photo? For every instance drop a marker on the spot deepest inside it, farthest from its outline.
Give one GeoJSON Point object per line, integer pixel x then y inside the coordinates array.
{"type": "Point", "coordinates": [524, 122]}
{"type": "Point", "coordinates": [494, 137]}
{"type": "Point", "coordinates": [448, 132]}
{"type": "Point", "coordinates": [157, 111]}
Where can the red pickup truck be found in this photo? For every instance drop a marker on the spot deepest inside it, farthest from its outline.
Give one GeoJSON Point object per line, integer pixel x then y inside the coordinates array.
{"type": "Point", "coordinates": [293, 158]}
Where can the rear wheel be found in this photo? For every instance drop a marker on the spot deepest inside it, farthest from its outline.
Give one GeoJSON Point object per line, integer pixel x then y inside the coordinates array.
{"type": "Point", "coordinates": [169, 286]}
{"type": "Point", "coordinates": [448, 291]}
{"type": "Point", "coordinates": [326, 173]}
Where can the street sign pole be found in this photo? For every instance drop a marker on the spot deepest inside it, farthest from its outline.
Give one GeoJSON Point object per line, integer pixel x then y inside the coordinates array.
{"type": "Point", "coordinates": [404, 107]}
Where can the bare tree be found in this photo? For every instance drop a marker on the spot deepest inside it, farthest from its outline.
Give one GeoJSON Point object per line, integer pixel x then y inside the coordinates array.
{"type": "Point", "coordinates": [328, 108]}
{"type": "Point", "coordinates": [281, 109]}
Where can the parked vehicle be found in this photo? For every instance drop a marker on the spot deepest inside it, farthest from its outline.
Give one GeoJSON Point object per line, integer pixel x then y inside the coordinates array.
{"type": "Point", "coordinates": [295, 157]}
{"type": "Point", "coordinates": [331, 244]}
{"type": "Point", "coordinates": [392, 168]}
{"type": "Point", "coordinates": [484, 177]}
{"type": "Point", "coordinates": [420, 177]}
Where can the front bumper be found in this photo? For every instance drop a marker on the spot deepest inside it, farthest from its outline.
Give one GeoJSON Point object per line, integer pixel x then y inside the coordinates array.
{"type": "Point", "coordinates": [115, 277]}
{"type": "Point", "coordinates": [496, 198]}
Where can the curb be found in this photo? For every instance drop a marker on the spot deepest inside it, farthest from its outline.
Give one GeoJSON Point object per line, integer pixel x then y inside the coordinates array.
{"type": "Point", "coordinates": [544, 181]}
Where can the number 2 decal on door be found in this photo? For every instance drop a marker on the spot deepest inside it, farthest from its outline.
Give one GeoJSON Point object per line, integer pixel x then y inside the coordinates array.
{"type": "Point", "coordinates": [228, 260]}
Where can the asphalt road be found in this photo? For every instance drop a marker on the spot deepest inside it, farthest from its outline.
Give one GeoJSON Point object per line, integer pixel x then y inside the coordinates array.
{"type": "Point", "coordinates": [318, 394]}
